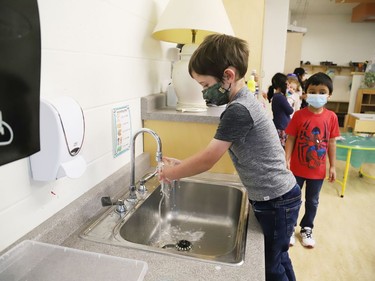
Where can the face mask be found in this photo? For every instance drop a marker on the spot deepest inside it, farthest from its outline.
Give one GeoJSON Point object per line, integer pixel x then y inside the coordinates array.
{"type": "Point", "coordinates": [216, 94]}
{"type": "Point", "coordinates": [316, 101]}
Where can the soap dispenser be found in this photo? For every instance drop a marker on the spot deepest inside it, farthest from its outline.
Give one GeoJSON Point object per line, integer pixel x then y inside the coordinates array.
{"type": "Point", "coordinates": [62, 130]}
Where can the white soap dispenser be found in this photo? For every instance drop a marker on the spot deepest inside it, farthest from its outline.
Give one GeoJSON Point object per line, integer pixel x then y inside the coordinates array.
{"type": "Point", "coordinates": [62, 130]}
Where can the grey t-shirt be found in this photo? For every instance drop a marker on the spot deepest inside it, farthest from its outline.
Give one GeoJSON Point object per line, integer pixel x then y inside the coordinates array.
{"type": "Point", "coordinates": [256, 151]}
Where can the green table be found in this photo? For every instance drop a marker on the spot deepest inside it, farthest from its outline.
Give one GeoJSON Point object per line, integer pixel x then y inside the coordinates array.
{"type": "Point", "coordinates": [355, 150]}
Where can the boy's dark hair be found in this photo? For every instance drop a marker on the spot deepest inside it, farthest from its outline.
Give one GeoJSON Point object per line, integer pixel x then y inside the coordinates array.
{"type": "Point", "coordinates": [216, 53]}
{"type": "Point", "coordinates": [320, 78]}
{"type": "Point", "coordinates": [279, 80]}
{"type": "Point", "coordinates": [299, 71]}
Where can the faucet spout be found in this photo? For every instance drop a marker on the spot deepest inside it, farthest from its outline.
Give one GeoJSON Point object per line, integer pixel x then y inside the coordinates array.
{"type": "Point", "coordinates": [159, 156]}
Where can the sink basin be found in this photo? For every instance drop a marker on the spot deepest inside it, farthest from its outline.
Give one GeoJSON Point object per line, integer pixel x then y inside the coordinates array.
{"type": "Point", "coordinates": [197, 219]}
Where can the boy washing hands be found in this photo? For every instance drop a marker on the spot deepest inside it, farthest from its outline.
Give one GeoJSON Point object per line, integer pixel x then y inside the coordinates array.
{"type": "Point", "coordinates": [249, 135]}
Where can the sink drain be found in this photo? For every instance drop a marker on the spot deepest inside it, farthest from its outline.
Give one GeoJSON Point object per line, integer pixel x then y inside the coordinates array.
{"type": "Point", "coordinates": [183, 245]}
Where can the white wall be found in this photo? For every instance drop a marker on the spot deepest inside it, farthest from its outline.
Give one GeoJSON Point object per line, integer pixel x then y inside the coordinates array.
{"type": "Point", "coordinates": [101, 53]}
{"type": "Point", "coordinates": [335, 38]}
{"type": "Point", "coordinates": [274, 40]}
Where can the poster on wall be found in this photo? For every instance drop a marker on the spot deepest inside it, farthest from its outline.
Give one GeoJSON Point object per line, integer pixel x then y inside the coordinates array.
{"type": "Point", "coordinates": [20, 58]}
{"type": "Point", "coordinates": [121, 130]}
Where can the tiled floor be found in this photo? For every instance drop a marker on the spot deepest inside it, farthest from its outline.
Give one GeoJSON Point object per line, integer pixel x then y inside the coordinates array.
{"type": "Point", "coordinates": [344, 232]}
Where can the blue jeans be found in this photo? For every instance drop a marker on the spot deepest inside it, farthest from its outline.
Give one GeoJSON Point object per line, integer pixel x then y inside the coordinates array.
{"type": "Point", "coordinates": [312, 191]}
{"type": "Point", "coordinates": [277, 218]}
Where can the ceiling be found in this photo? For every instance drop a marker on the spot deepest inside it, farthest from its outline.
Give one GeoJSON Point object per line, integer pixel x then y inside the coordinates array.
{"type": "Point", "coordinates": [325, 7]}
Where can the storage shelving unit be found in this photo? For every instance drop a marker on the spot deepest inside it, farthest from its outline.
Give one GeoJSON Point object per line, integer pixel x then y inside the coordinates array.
{"type": "Point", "coordinates": [365, 102]}
{"type": "Point", "coordinates": [338, 106]}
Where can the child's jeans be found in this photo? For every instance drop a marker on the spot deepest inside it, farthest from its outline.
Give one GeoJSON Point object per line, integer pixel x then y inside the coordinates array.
{"type": "Point", "coordinates": [312, 190]}
{"type": "Point", "coordinates": [277, 218]}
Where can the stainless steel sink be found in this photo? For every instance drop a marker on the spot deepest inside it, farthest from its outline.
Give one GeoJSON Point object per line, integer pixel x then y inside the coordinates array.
{"type": "Point", "coordinates": [199, 219]}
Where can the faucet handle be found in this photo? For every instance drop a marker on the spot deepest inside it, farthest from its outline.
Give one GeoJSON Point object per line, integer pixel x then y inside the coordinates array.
{"type": "Point", "coordinates": [106, 201]}
{"type": "Point", "coordinates": [142, 187]}
{"type": "Point", "coordinates": [121, 208]}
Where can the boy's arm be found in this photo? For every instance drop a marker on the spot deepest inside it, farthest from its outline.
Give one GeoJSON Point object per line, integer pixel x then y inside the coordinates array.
{"type": "Point", "coordinates": [197, 163]}
{"type": "Point", "coordinates": [289, 145]}
{"type": "Point", "coordinates": [332, 159]}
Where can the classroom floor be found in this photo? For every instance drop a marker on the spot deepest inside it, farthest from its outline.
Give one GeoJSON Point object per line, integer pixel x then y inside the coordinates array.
{"type": "Point", "coordinates": [344, 232]}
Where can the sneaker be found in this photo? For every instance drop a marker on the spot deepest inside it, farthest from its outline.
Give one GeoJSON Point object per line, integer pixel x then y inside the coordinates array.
{"type": "Point", "coordinates": [307, 239]}
{"type": "Point", "coordinates": [292, 240]}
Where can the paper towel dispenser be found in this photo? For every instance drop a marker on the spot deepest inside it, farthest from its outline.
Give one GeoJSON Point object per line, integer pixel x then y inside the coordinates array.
{"type": "Point", "coordinates": [62, 131]}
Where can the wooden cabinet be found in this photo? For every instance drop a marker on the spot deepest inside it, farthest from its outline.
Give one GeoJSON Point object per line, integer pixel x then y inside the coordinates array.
{"type": "Point", "coordinates": [178, 141]}
{"type": "Point", "coordinates": [365, 102]}
{"type": "Point", "coordinates": [338, 106]}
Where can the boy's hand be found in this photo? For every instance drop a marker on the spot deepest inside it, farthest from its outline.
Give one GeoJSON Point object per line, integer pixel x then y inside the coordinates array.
{"type": "Point", "coordinates": [332, 174]}
{"type": "Point", "coordinates": [163, 178]}
{"type": "Point", "coordinates": [168, 164]}
{"type": "Point", "coordinates": [171, 161]}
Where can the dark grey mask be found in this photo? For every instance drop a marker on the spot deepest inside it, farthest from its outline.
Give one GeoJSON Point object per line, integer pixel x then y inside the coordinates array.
{"type": "Point", "coordinates": [216, 94]}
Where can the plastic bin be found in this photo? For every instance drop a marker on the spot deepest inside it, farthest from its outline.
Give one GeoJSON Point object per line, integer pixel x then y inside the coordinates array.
{"type": "Point", "coordinates": [36, 261]}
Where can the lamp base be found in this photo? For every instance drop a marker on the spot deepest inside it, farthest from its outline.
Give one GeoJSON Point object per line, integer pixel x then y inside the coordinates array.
{"type": "Point", "coordinates": [188, 91]}
{"type": "Point", "coordinates": [191, 107]}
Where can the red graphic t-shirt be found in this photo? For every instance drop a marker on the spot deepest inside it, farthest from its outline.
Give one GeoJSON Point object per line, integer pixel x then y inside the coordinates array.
{"type": "Point", "coordinates": [312, 132]}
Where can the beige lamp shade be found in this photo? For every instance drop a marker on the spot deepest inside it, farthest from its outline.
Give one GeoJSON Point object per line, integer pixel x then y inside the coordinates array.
{"type": "Point", "coordinates": [180, 17]}
{"type": "Point", "coordinates": [188, 22]}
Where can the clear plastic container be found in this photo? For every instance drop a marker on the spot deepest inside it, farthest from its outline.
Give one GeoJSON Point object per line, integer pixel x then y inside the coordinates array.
{"type": "Point", "coordinates": [36, 261]}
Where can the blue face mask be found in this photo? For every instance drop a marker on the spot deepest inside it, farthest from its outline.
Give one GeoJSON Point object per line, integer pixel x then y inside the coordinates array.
{"type": "Point", "coordinates": [216, 94]}
{"type": "Point", "coordinates": [316, 100]}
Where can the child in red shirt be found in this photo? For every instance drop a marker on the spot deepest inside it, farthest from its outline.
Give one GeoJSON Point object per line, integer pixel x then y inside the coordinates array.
{"type": "Point", "coordinates": [312, 135]}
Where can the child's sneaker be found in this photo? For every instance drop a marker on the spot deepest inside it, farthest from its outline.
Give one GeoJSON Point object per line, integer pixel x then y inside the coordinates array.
{"type": "Point", "coordinates": [292, 240]}
{"type": "Point", "coordinates": [307, 239]}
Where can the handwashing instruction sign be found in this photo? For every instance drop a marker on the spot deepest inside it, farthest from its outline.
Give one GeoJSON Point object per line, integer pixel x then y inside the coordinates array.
{"type": "Point", "coordinates": [121, 130]}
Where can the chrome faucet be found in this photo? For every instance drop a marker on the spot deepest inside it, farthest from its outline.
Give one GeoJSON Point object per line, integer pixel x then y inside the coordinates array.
{"type": "Point", "coordinates": [132, 187]}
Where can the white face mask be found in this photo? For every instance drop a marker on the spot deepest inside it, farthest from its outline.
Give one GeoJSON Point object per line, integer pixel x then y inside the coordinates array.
{"type": "Point", "coordinates": [316, 100]}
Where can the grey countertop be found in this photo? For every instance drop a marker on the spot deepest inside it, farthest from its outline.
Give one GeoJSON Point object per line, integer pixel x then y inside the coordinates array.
{"type": "Point", "coordinates": [65, 227]}
{"type": "Point", "coordinates": [153, 107]}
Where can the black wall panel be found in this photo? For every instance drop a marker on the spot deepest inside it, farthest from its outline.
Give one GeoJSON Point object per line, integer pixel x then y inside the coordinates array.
{"type": "Point", "coordinates": [20, 59]}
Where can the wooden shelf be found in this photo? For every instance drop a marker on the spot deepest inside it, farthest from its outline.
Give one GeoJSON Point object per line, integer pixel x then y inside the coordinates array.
{"type": "Point", "coordinates": [338, 106]}
{"type": "Point", "coordinates": [338, 69]}
{"type": "Point", "coordinates": [365, 102]}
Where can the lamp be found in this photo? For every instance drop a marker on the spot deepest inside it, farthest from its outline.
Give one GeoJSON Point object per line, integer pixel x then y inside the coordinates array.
{"type": "Point", "coordinates": [188, 22]}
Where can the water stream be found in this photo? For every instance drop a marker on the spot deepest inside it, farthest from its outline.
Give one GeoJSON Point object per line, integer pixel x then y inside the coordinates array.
{"type": "Point", "coordinates": [168, 234]}
{"type": "Point", "coordinates": [164, 193]}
